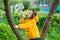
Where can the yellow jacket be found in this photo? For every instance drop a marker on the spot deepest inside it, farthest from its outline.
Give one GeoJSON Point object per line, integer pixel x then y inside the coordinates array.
{"type": "Point", "coordinates": [30, 27]}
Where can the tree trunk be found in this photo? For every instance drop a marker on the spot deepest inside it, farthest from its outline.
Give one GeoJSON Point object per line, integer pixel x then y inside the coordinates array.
{"type": "Point", "coordinates": [49, 19]}
{"type": "Point", "coordinates": [10, 21]}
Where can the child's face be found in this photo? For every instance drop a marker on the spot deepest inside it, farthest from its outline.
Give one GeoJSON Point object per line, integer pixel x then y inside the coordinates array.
{"type": "Point", "coordinates": [30, 13]}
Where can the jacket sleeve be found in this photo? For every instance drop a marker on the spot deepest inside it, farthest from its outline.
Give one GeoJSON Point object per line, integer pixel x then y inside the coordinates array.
{"type": "Point", "coordinates": [22, 20]}
{"type": "Point", "coordinates": [36, 19]}
{"type": "Point", "coordinates": [25, 25]}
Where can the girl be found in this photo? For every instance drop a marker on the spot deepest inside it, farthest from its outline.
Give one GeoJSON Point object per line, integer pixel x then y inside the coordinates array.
{"type": "Point", "coordinates": [29, 25]}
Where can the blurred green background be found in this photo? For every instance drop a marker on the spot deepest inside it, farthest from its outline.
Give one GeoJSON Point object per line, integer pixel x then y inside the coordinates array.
{"type": "Point", "coordinates": [5, 30]}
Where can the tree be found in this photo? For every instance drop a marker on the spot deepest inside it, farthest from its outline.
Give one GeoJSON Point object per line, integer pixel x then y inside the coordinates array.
{"type": "Point", "coordinates": [10, 21]}
{"type": "Point", "coordinates": [49, 19]}
{"type": "Point", "coordinates": [49, 2]}
{"type": "Point", "coordinates": [1, 4]}
{"type": "Point", "coordinates": [14, 2]}
{"type": "Point", "coordinates": [26, 5]}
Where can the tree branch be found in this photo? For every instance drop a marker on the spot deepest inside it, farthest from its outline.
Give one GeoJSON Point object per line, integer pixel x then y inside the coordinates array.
{"type": "Point", "coordinates": [49, 19]}
{"type": "Point", "coordinates": [10, 21]}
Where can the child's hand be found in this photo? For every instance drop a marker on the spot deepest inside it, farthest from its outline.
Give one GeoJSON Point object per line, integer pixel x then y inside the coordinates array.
{"type": "Point", "coordinates": [22, 15]}
{"type": "Point", "coordinates": [16, 26]}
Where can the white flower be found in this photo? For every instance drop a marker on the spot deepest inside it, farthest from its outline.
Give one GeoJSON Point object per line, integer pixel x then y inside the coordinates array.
{"type": "Point", "coordinates": [19, 7]}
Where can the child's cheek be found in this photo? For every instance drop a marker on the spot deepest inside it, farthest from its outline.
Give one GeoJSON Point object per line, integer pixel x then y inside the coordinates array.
{"type": "Point", "coordinates": [29, 15]}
